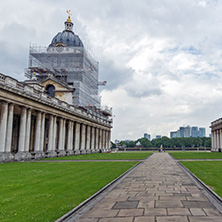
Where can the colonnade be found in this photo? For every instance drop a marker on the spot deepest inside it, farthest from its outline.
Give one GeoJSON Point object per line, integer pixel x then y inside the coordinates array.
{"type": "Point", "coordinates": [216, 140]}
{"type": "Point", "coordinates": [27, 132]}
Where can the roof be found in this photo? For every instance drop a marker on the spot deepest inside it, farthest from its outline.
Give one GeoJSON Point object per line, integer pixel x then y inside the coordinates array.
{"type": "Point", "coordinates": [62, 83]}
{"type": "Point", "coordinates": [66, 38]}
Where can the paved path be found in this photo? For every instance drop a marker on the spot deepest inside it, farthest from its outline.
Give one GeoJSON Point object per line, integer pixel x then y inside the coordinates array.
{"type": "Point", "coordinates": [199, 160]}
{"type": "Point", "coordinates": [158, 190]}
{"type": "Point", "coordinates": [84, 160]}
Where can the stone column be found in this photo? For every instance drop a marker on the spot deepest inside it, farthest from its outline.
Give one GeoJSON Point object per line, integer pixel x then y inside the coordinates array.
{"type": "Point", "coordinates": [70, 138]}
{"type": "Point", "coordinates": [9, 128]}
{"type": "Point", "coordinates": [218, 140]}
{"type": "Point", "coordinates": [38, 124]}
{"type": "Point", "coordinates": [88, 139]}
{"type": "Point", "coordinates": [212, 140]}
{"type": "Point", "coordinates": [92, 139]}
{"type": "Point", "coordinates": [22, 130]}
{"type": "Point", "coordinates": [104, 140]}
{"type": "Point", "coordinates": [97, 140]}
{"type": "Point", "coordinates": [109, 139]}
{"type": "Point", "coordinates": [61, 148]}
{"type": "Point", "coordinates": [220, 133]}
{"type": "Point", "coordinates": [3, 125]}
{"type": "Point", "coordinates": [42, 136]}
{"type": "Point", "coordinates": [100, 139]}
{"type": "Point", "coordinates": [54, 142]}
{"type": "Point", "coordinates": [51, 133]}
{"type": "Point", "coordinates": [21, 154]}
{"type": "Point", "coordinates": [83, 139]}
{"type": "Point", "coordinates": [28, 131]}
{"type": "Point", "coordinates": [77, 138]}
{"type": "Point", "coordinates": [60, 134]}
{"type": "Point", "coordinates": [64, 133]}
{"type": "Point", "coordinates": [215, 141]}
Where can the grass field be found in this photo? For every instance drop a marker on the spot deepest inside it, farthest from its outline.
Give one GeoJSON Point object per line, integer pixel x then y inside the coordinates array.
{"type": "Point", "coordinates": [107, 156]}
{"type": "Point", "coordinates": [210, 172]}
{"type": "Point", "coordinates": [196, 155]}
{"type": "Point", "coordinates": [46, 191]}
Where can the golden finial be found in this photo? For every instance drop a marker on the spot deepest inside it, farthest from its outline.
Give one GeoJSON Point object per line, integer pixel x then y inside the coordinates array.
{"type": "Point", "coordinates": [69, 12]}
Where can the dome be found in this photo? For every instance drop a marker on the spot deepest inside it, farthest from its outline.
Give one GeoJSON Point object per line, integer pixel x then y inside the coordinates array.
{"type": "Point", "coordinates": [66, 38]}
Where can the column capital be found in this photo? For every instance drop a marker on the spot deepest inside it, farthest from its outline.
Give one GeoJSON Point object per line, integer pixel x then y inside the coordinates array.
{"type": "Point", "coordinates": [4, 101]}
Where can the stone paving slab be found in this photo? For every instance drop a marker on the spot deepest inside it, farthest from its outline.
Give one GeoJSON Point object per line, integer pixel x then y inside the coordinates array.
{"type": "Point", "coordinates": [159, 191]}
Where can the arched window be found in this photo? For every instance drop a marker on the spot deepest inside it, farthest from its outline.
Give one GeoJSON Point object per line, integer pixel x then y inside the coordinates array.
{"type": "Point", "coordinates": [50, 90]}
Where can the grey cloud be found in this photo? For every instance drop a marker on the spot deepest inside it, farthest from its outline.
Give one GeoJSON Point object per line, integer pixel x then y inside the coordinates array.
{"type": "Point", "coordinates": [115, 76]}
{"type": "Point", "coordinates": [149, 91]}
{"type": "Point", "coordinates": [13, 60]}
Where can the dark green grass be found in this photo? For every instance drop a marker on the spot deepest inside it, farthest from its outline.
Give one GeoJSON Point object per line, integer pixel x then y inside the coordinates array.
{"type": "Point", "coordinates": [210, 172]}
{"type": "Point", "coordinates": [107, 156]}
{"type": "Point", "coordinates": [196, 155]}
{"type": "Point", "coordinates": [46, 191]}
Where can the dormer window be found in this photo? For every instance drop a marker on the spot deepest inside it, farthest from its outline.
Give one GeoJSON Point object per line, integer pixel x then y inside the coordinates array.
{"type": "Point", "coordinates": [50, 90]}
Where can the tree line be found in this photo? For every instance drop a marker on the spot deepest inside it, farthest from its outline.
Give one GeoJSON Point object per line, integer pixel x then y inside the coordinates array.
{"type": "Point", "coordinates": [167, 142]}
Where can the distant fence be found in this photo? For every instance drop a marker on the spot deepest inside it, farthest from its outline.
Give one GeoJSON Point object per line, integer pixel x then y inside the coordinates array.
{"type": "Point", "coordinates": [165, 148]}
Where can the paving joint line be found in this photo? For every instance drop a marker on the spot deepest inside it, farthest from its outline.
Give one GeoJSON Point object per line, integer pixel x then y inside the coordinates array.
{"type": "Point", "coordinates": [209, 193]}
{"type": "Point", "coordinates": [90, 202]}
{"type": "Point", "coordinates": [78, 210]}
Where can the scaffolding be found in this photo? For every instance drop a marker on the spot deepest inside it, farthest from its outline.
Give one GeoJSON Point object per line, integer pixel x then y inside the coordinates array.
{"type": "Point", "coordinates": [74, 65]}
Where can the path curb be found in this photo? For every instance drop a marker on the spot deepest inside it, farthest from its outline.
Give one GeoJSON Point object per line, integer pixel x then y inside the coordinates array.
{"type": "Point", "coordinates": [215, 199]}
{"type": "Point", "coordinates": [81, 205]}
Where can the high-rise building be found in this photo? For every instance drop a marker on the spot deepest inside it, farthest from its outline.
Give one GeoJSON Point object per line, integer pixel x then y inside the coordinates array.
{"type": "Point", "coordinates": [173, 134]}
{"type": "Point", "coordinates": [194, 131]}
{"type": "Point", "coordinates": [187, 131]}
{"type": "Point", "coordinates": [181, 131]}
{"type": "Point", "coordinates": [146, 135]}
{"type": "Point", "coordinates": [202, 132]}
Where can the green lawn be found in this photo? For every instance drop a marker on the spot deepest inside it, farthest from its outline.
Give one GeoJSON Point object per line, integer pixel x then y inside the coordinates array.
{"type": "Point", "coordinates": [210, 172]}
{"type": "Point", "coordinates": [107, 156]}
{"type": "Point", "coordinates": [196, 155]}
{"type": "Point", "coordinates": [46, 191]}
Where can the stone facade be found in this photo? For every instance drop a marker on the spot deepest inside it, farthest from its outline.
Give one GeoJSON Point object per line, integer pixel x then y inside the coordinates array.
{"type": "Point", "coordinates": [35, 125]}
{"type": "Point", "coordinates": [216, 135]}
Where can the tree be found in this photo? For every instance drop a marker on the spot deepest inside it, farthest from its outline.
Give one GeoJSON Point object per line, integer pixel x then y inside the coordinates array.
{"type": "Point", "coordinates": [145, 142]}
{"type": "Point", "coordinates": [131, 144]}
{"type": "Point", "coordinates": [166, 142]}
{"type": "Point", "coordinates": [157, 142]}
{"type": "Point", "coordinates": [113, 145]}
{"type": "Point", "coordinates": [207, 142]}
{"type": "Point", "coordinates": [197, 141]}
{"type": "Point", "coordinates": [176, 142]}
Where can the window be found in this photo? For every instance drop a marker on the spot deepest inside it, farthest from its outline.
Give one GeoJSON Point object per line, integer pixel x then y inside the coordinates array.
{"type": "Point", "coordinates": [50, 90]}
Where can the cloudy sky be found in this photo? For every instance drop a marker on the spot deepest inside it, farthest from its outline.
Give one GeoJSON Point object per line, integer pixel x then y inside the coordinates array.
{"type": "Point", "coordinates": [162, 59]}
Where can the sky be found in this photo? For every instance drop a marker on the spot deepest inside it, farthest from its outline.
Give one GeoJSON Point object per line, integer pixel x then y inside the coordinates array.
{"type": "Point", "coordinates": [162, 60]}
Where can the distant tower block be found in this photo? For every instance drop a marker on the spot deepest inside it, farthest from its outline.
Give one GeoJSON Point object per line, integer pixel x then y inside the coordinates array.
{"type": "Point", "coordinates": [67, 60]}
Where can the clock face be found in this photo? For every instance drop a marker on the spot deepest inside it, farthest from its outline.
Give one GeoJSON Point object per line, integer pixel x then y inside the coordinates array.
{"type": "Point", "coordinates": [59, 48]}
